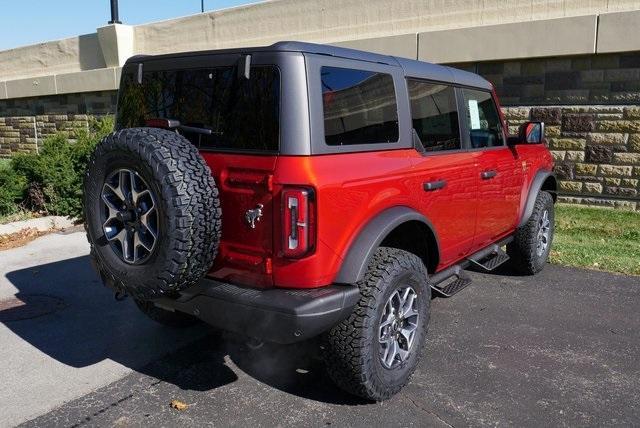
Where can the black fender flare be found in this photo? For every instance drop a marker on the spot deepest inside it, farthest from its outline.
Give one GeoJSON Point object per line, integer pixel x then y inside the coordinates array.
{"type": "Point", "coordinates": [536, 184]}
{"type": "Point", "coordinates": [355, 264]}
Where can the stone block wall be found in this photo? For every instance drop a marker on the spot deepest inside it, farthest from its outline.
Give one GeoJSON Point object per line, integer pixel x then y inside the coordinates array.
{"type": "Point", "coordinates": [596, 149]}
{"type": "Point", "coordinates": [572, 80]}
{"type": "Point", "coordinates": [26, 122]}
{"type": "Point", "coordinates": [95, 103]}
{"type": "Point", "coordinates": [23, 134]}
{"type": "Point", "coordinates": [17, 134]}
{"type": "Point", "coordinates": [591, 107]}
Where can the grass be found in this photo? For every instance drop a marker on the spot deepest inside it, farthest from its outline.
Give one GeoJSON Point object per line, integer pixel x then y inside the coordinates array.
{"type": "Point", "coordinates": [597, 238]}
{"type": "Point", "coordinates": [4, 162]}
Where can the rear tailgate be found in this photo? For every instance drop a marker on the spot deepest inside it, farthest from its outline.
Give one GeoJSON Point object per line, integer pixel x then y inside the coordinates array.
{"type": "Point", "coordinates": [245, 183]}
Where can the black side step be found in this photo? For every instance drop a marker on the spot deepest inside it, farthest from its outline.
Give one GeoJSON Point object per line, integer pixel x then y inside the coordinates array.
{"type": "Point", "coordinates": [440, 282]}
{"type": "Point", "coordinates": [490, 261]}
{"type": "Point", "coordinates": [460, 282]}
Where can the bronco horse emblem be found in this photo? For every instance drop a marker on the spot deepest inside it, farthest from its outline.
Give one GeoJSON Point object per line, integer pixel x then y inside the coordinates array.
{"type": "Point", "coordinates": [254, 215]}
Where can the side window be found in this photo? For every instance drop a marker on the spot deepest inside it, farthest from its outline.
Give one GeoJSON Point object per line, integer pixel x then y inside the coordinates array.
{"type": "Point", "coordinates": [485, 128]}
{"type": "Point", "coordinates": [435, 116]}
{"type": "Point", "coordinates": [359, 107]}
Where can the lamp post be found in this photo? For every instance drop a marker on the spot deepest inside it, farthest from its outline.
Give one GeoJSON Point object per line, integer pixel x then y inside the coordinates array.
{"type": "Point", "coordinates": [114, 13]}
{"type": "Point", "coordinates": [202, 6]}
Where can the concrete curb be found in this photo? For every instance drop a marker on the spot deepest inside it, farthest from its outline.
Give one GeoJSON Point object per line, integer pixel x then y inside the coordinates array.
{"type": "Point", "coordinates": [41, 224]}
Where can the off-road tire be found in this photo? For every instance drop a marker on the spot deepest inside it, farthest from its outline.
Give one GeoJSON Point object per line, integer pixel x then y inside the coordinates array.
{"type": "Point", "coordinates": [522, 250]}
{"type": "Point", "coordinates": [167, 318]}
{"type": "Point", "coordinates": [188, 213]}
{"type": "Point", "coordinates": [351, 349]}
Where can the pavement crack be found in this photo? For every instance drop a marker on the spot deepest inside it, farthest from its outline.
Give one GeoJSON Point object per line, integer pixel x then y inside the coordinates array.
{"type": "Point", "coordinates": [419, 407]}
{"type": "Point", "coordinates": [90, 419]}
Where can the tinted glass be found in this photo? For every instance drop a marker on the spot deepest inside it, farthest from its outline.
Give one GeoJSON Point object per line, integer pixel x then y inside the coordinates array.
{"type": "Point", "coordinates": [485, 128]}
{"type": "Point", "coordinates": [359, 107]}
{"type": "Point", "coordinates": [435, 115]}
{"type": "Point", "coordinates": [241, 114]}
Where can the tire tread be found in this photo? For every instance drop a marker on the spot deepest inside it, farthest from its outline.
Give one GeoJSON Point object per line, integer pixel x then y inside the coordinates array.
{"type": "Point", "coordinates": [522, 249]}
{"type": "Point", "coordinates": [193, 217]}
{"type": "Point", "coordinates": [347, 346]}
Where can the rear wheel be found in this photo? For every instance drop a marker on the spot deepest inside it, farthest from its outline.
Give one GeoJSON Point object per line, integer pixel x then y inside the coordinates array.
{"type": "Point", "coordinates": [531, 246]}
{"type": "Point", "coordinates": [374, 352]}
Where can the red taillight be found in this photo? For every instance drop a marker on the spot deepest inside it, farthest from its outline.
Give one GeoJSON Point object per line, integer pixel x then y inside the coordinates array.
{"type": "Point", "coordinates": [298, 222]}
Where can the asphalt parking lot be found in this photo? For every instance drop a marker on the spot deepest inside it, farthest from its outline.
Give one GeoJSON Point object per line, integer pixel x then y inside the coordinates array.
{"type": "Point", "coordinates": [561, 348]}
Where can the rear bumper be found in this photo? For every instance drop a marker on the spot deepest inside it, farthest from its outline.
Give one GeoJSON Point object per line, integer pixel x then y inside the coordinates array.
{"type": "Point", "coordinates": [274, 315]}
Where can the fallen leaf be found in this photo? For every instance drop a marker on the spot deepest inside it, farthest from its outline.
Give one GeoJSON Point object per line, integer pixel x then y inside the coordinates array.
{"type": "Point", "coordinates": [19, 238]}
{"type": "Point", "coordinates": [179, 405]}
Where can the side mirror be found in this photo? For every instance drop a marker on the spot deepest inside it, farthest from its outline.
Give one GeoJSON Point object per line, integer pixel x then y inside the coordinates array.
{"type": "Point", "coordinates": [529, 133]}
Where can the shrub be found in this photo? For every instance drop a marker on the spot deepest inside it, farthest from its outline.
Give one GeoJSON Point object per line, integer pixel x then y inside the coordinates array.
{"type": "Point", "coordinates": [12, 188]}
{"type": "Point", "coordinates": [54, 176]}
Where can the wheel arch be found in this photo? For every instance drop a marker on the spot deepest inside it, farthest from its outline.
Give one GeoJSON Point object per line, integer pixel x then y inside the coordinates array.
{"type": "Point", "coordinates": [544, 180]}
{"type": "Point", "coordinates": [398, 227]}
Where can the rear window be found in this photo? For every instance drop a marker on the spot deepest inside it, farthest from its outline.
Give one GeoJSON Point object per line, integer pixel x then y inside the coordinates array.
{"type": "Point", "coordinates": [359, 107]}
{"type": "Point", "coordinates": [240, 114]}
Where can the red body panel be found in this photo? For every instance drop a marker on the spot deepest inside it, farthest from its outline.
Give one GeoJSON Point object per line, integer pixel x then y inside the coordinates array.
{"type": "Point", "coordinates": [452, 209]}
{"type": "Point", "coordinates": [499, 196]}
{"type": "Point", "coordinates": [533, 158]}
{"type": "Point", "coordinates": [351, 190]}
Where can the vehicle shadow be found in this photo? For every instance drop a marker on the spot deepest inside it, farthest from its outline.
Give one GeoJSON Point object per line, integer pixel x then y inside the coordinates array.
{"type": "Point", "coordinates": [295, 369]}
{"type": "Point", "coordinates": [87, 325]}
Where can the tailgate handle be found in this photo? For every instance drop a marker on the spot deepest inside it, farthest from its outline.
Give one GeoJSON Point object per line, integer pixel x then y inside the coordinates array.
{"type": "Point", "coordinates": [486, 175]}
{"type": "Point", "coordinates": [434, 185]}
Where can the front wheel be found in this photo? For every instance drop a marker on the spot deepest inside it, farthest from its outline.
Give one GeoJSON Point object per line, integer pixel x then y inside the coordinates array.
{"type": "Point", "coordinates": [531, 246]}
{"type": "Point", "coordinates": [374, 352]}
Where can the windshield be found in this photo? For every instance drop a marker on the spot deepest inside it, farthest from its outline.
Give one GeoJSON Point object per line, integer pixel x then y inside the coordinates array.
{"type": "Point", "coordinates": [237, 113]}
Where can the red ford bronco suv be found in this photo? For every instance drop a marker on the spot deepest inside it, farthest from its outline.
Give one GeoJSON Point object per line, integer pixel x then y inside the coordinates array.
{"type": "Point", "coordinates": [301, 190]}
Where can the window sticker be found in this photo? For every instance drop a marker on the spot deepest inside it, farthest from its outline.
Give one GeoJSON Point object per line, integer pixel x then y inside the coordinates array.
{"type": "Point", "coordinates": [474, 114]}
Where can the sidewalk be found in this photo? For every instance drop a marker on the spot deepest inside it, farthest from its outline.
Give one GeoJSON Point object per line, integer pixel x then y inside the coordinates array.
{"type": "Point", "coordinates": [89, 341]}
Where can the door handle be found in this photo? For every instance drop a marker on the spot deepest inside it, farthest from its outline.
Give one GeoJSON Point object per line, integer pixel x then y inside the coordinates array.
{"type": "Point", "coordinates": [434, 185]}
{"type": "Point", "coordinates": [486, 175]}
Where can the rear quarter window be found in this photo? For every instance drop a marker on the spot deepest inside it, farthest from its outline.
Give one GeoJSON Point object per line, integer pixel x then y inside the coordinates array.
{"type": "Point", "coordinates": [241, 114]}
{"type": "Point", "coordinates": [359, 107]}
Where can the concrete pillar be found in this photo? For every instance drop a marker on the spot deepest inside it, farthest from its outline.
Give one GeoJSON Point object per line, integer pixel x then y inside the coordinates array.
{"type": "Point", "coordinates": [116, 42]}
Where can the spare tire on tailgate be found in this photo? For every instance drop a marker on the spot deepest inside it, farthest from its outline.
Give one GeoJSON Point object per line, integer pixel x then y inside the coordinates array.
{"type": "Point", "coordinates": [152, 212]}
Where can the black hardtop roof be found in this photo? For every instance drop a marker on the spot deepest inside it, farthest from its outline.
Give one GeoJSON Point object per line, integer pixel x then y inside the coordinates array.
{"type": "Point", "coordinates": [412, 68]}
